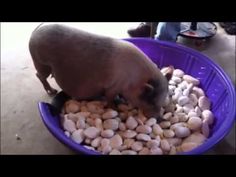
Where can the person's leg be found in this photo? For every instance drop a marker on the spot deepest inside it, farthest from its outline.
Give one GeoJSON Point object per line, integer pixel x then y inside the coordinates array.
{"type": "Point", "coordinates": [168, 31]}
{"type": "Point", "coordinates": [153, 28]}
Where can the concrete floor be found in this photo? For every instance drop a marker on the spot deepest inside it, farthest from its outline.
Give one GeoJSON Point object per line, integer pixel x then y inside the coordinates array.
{"type": "Point", "coordinates": [21, 90]}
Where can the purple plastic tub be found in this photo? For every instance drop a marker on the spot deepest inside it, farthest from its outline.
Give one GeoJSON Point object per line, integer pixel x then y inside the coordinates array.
{"type": "Point", "coordinates": [216, 84]}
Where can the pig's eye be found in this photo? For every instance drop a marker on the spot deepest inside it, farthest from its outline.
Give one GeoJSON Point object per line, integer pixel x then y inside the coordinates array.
{"type": "Point", "coordinates": [148, 98]}
{"type": "Point", "coordinates": [153, 82]}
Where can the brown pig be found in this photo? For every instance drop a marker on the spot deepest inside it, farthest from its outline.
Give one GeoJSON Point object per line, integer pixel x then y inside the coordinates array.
{"type": "Point", "coordinates": [86, 65]}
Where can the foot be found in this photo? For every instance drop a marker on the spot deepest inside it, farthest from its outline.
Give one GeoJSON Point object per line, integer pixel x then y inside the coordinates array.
{"type": "Point", "coordinates": [143, 30]}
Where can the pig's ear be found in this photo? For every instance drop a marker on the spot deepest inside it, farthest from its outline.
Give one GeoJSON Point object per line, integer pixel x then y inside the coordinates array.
{"type": "Point", "coordinates": [148, 89]}
{"type": "Point", "coordinates": [148, 93]}
{"type": "Point", "coordinates": [169, 72]}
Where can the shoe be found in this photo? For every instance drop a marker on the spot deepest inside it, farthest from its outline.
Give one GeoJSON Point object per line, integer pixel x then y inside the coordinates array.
{"type": "Point", "coordinates": [231, 30]}
{"type": "Point", "coordinates": [224, 24]}
{"type": "Point", "coordinates": [229, 27]}
{"type": "Point", "coordinates": [143, 30]}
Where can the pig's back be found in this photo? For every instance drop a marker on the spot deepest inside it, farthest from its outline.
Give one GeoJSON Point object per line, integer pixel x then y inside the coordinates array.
{"type": "Point", "coordinates": [54, 43]}
{"type": "Point", "coordinates": [79, 60]}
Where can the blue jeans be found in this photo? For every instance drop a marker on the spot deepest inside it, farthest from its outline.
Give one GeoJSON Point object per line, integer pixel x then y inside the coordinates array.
{"type": "Point", "coordinates": [168, 31]}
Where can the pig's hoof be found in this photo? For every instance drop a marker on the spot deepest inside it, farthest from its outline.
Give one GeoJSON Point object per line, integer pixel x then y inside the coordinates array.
{"type": "Point", "coordinates": [52, 92]}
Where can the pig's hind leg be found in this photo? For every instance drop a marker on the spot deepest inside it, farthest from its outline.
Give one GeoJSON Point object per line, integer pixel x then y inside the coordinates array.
{"type": "Point", "coordinates": [43, 71]}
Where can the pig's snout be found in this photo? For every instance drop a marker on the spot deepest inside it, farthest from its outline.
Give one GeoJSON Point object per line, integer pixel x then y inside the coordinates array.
{"type": "Point", "coordinates": [154, 93]}
{"type": "Point", "coordinates": [154, 112]}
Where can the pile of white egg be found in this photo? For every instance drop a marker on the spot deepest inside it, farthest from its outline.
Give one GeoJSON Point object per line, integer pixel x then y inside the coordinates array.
{"type": "Point", "coordinates": [186, 122]}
